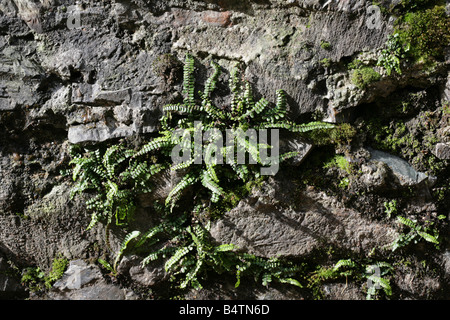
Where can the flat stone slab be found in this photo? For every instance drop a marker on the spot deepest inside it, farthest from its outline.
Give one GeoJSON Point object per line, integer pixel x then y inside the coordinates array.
{"type": "Point", "coordinates": [277, 220]}
{"type": "Point", "coordinates": [83, 281]}
{"type": "Point", "coordinates": [406, 174]}
{"type": "Point", "coordinates": [442, 151]}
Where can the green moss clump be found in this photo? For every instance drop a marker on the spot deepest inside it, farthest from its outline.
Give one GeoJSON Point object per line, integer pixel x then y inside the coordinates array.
{"type": "Point", "coordinates": [325, 62]}
{"type": "Point", "coordinates": [325, 45]}
{"type": "Point", "coordinates": [415, 5]}
{"type": "Point", "coordinates": [364, 76]}
{"type": "Point", "coordinates": [427, 31]}
{"type": "Point", "coordinates": [58, 267]}
{"type": "Point", "coordinates": [355, 64]}
{"type": "Point", "coordinates": [36, 280]}
{"type": "Point", "coordinates": [414, 146]}
{"type": "Point", "coordinates": [340, 162]}
{"type": "Point", "coordinates": [340, 135]}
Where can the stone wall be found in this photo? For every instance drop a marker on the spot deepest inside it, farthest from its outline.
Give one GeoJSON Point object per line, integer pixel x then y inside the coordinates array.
{"type": "Point", "coordinates": [90, 72]}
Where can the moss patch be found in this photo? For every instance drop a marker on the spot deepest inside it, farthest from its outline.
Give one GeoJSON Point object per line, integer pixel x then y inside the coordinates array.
{"type": "Point", "coordinates": [364, 76]}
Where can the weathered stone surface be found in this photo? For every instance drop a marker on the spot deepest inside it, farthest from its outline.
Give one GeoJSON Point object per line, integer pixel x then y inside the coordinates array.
{"type": "Point", "coordinates": [47, 228]}
{"type": "Point", "coordinates": [98, 132]}
{"type": "Point", "coordinates": [77, 275]}
{"type": "Point", "coordinates": [374, 175]}
{"type": "Point", "coordinates": [85, 282]}
{"type": "Point", "coordinates": [406, 174]}
{"type": "Point", "coordinates": [442, 151]}
{"type": "Point", "coordinates": [278, 221]}
{"type": "Point", "coordinates": [293, 144]}
{"type": "Point", "coordinates": [146, 276]}
{"type": "Point", "coordinates": [10, 286]}
{"type": "Point", "coordinates": [94, 71]}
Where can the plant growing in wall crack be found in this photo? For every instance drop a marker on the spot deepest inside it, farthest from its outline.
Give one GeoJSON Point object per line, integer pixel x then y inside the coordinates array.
{"type": "Point", "coordinates": [190, 253]}
{"type": "Point", "coordinates": [198, 130]}
{"type": "Point", "coordinates": [390, 57]}
{"type": "Point", "coordinates": [194, 127]}
{"type": "Point", "coordinates": [118, 174]}
{"type": "Point", "coordinates": [416, 233]}
{"type": "Point", "coordinates": [375, 275]}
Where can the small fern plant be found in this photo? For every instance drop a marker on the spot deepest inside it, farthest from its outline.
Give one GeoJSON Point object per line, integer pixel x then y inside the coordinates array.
{"type": "Point", "coordinates": [416, 233]}
{"type": "Point", "coordinates": [113, 179]}
{"type": "Point", "coordinates": [191, 253]}
{"type": "Point", "coordinates": [374, 274]}
{"type": "Point", "coordinates": [196, 115]}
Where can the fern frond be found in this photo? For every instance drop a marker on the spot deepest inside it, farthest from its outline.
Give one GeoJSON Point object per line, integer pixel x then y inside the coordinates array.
{"type": "Point", "coordinates": [84, 183]}
{"type": "Point", "coordinates": [215, 197]}
{"type": "Point", "coordinates": [113, 156]}
{"type": "Point", "coordinates": [211, 82]}
{"type": "Point", "coordinates": [241, 170]}
{"type": "Point", "coordinates": [212, 172]}
{"type": "Point", "coordinates": [257, 109]}
{"type": "Point", "coordinates": [188, 80]}
{"type": "Point", "coordinates": [149, 235]}
{"type": "Point", "coordinates": [179, 254]}
{"type": "Point", "coordinates": [428, 237]}
{"type": "Point", "coordinates": [349, 263]}
{"type": "Point", "coordinates": [382, 266]}
{"type": "Point", "coordinates": [188, 180]}
{"type": "Point", "coordinates": [288, 155]}
{"type": "Point", "coordinates": [182, 165]}
{"type": "Point", "coordinates": [248, 96]}
{"type": "Point", "coordinates": [80, 164]}
{"type": "Point", "coordinates": [138, 169]}
{"type": "Point", "coordinates": [209, 183]}
{"type": "Point", "coordinates": [113, 189]}
{"type": "Point", "coordinates": [249, 146]}
{"type": "Point", "coordinates": [156, 144]}
{"type": "Point", "coordinates": [291, 281]}
{"type": "Point", "coordinates": [94, 220]}
{"type": "Point", "coordinates": [280, 108]}
{"type": "Point", "coordinates": [293, 127]}
{"type": "Point", "coordinates": [200, 236]}
{"type": "Point", "coordinates": [266, 279]}
{"type": "Point", "coordinates": [213, 111]}
{"type": "Point", "coordinates": [225, 247]}
{"type": "Point", "coordinates": [192, 276]}
{"type": "Point", "coordinates": [407, 222]}
{"type": "Point", "coordinates": [234, 85]}
{"type": "Point", "coordinates": [124, 246]}
{"type": "Point", "coordinates": [156, 254]}
{"type": "Point", "coordinates": [384, 283]}
{"type": "Point", "coordinates": [156, 168]}
{"type": "Point", "coordinates": [181, 108]}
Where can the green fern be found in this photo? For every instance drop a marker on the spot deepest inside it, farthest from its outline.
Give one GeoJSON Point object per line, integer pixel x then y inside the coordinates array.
{"type": "Point", "coordinates": [114, 179]}
{"type": "Point", "coordinates": [416, 231]}
{"type": "Point", "coordinates": [154, 145]}
{"type": "Point", "coordinates": [242, 114]}
{"type": "Point", "coordinates": [179, 254]}
{"type": "Point", "coordinates": [348, 263]}
{"type": "Point", "coordinates": [189, 82]}
{"type": "Point", "coordinates": [181, 108]}
{"type": "Point", "coordinates": [208, 182]}
{"type": "Point", "coordinates": [211, 83]}
{"type": "Point", "coordinates": [428, 237]}
{"type": "Point", "coordinates": [407, 222]}
{"type": "Point", "coordinates": [175, 193]}
{"type": "Point", "coordinates": [115, 176]}
{"type": "Point", "coordinates": [128, 238]}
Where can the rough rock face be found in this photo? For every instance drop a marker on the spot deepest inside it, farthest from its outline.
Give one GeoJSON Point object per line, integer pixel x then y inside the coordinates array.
{"type": "Point", "coordinates": [94, 72]}
{"type": "Point", "coordinates": [107, 78]}
{"type": "Point", "coordinates": [85, 282]}
{"type": "Point", "coordinates": [9, 282]}
{"type": "Point", "coordinates": [279, 220]}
